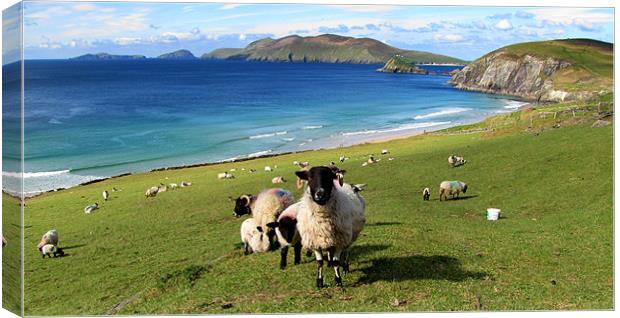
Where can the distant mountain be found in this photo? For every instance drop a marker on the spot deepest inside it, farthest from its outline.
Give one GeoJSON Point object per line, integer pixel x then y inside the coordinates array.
{"type": "Point", "coordinates": [178, 55]}
{"type": "Point", "coordinates": [106, 56]}
{"type": "Point", "coordinates": [327, 48]}
{"type": "Point", "coordinates": [557, 70]}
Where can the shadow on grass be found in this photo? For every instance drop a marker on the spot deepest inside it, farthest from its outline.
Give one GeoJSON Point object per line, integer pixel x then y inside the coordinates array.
{"type": "Point", "coordinates": [383, 223]}
{"type": "Point", "coordinates": [357, 250]}
{"type": "Point", "coordinates": [465, 197]}
{"type": "Point", "coordinates": [415, 267]}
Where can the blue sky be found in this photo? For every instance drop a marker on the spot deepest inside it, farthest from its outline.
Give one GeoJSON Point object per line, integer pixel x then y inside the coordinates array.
{"type": "Point", "coordinates": [66, 29]}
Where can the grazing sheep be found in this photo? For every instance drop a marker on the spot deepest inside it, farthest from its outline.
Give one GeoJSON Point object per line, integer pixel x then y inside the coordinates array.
{"type": "Point", "coordinates": [451, 188]}
{"type": "Point", "coordinates": [151, 192]}
{"type": "Point", "coordinates": [278, 179]}
{"type": "Point", "coordinates": [456, 161]}
{"type": "Point", "coordinates": [301, 183]}
{"type": "Point", "coordinates": [114, 189]}
{"type": "Point", "coordinates": [50, 237]}
{"type": "Point", "coordinates": [252, 170]}
{"type": "Point", "coordinates": [225, 175]}
{"type": "Point", "coordinates": [173, 186]}
{"type": "Point", "coordinates": [268, 168]}
{"type": "Point", "coordinates": [384, 152]}
{"type": "Point", "coordinates": [426, 194]}
{"type": "Point", "coordinates": [90, 208]}
{"type": "Point", "coordinates": [105, 195]}
{"type": "Point", "coordinates": [162, 188]}
{"type": "Point", "coordinates": [287, 233]}
{"type": "Point", "coordinates": [329, 219]}
{"type": "Point", "coordinates": [295, 163]}
{"type": "Point", "coordinates": [185, 184]}
{"type": "Point", "coordinates": [265, 208]}
{"type": "Point", "coordinates": [371, 159]}
{"type": "Point", "coordinates": [339, 173]}
{"type": "Point", "coordinates": [253, 238]}
{"type": "Point", "coordinates": [51, 249]}
{"type": "Point", "coordinates": [342, 158]}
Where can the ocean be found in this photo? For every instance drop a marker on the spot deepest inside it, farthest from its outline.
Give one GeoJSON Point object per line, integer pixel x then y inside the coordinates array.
{"type": "Point", "coordinates": [87, 120]}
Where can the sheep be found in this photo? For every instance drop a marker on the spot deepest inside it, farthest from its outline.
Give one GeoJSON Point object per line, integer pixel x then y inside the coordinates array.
{"type": "Point", "coordinates": [185, 184]}
{"type": "Point", "coordinates": [384, 152]}
{"type": "Point", "coordinates": [90, 208]}
{"type": "Point", "coordinates": [268, 169]}
{"type": "Point", "coordinates": [252, 170]}
{"type": "Point", "coordinates": [330, 219]}
{"type": "Point", "coordinates": [162, 188]}
{"type": "Point", "coordinates": [253, 238]}
{"type": "Point", "coordinates": [114, 189]}
{"type": "Point", "coordinates": [456, 161]}
{"type": "Point", "coordinates": [278, 179]}
{"type": "Point", "coordinates": [451, 188]}
{"type": "Point", "coordinates": [173, 186]}
{"type": "Point", "coordinates": [371, 159]}
{"type": "Point", "coordinates": [151, 192]}
{"type": "Point", "coordinates": [287, 233]}
{"type": "Point", "coordinates": [426, 194]}
{"type": "Point", "coordinates": [265, 207]}
{"type": "Point", "coordinates": [225, 175]}
{"type": "Point", "coordinates": [105, 195]}
{"type": "Point", "coordinates": [343, 158]}
{"type": "Point", "coordinates": [4, 242]}
{"type": "Point", "coordinates": [339, 173]}
{"type": "Point", "coordinates": [50, 237]}
{"type": "Point", "coordinates": [51, 249]}
{"type": "Point", "coordinates": [301, 183]}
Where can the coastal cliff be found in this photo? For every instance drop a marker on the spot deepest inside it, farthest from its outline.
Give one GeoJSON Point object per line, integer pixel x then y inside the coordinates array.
{"type": "Point", "coordinates": [399, 65]}
{"type": "Point", "coordinates": [549, 71]}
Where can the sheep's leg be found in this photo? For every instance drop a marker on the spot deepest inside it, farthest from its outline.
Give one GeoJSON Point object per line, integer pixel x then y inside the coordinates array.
{"type": "Point", "coordinates": [330, 257]}
{"type": "Point", "coordinates": [297, 249]}
{"type": "Point", "coordinates": [246, 248]}
{"type": "Point", "coordinates": [440, 194]}
{"type": "Point", "coordinates": [319, 270]}
{"type": "Point", "coordinates": [345, 261]}
{"type": "Point", "coordinates": [283, 254]}
{"type": "Point", "coordinates": [336, 262]}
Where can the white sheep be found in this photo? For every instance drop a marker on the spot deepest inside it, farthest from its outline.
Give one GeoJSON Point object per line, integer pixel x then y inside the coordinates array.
{"type": "Point", "coordinates": [268, 169]}
{"type": "Point", "coordinates": [90, 208]}
{"type": "Point", "coordinates": [265, 207]}
{"type": "Point", "coordinates": [456, 161]}
{"type": "Point", "coordinates": [151, 192]}
{"type": "Point", "coordinates": [225, 175]}
{"type": "Point", "coordinates": [278, 179]}
{"type": "Point", "coordinates": [451, 188]}
{"type": "Point", "coordinates": [426, 194]}
{"type": "Point", "coordinates": [384, 152]}
{"type": "Point", "coordinates": [50, 237]}
{"type": "Point", "coordinates": [51, 249]}
{"type": "Point", "coordinates": [329, 219]}
{"type": "Point", "coordinates": [173, 186]}
{"type": "Point", "coordinates": [162, 188]}
{"type": "Point", "coordinates": [185, 184]}
{"type": "Point", "coordinates": [253, 237]}
{"type": "Point", "coordinates": [105, 195]}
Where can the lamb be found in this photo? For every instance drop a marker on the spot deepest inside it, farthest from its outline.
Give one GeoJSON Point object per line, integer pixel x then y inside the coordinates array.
{"type": "Point", "coordinates": [225, 175]}
{"type": "Point", "coordinates": [278, 179]}
{"type": "Point", "coordinates": [330, 218]}
{"type": "Point", "coordinates": [105, 195]}
{"type": "Point", "coordinates": [253, 238]}
{"type": "Point", "coordinates": [151, 192]}
{"type": "Point", "coordinates": [185, 184]}
{"type": "Point", "coordinates": [50, 237]}
{"type": "Point", "coordinates": [265, 208]}
{"type": "Point", "coordinates": [426, 194]}
{"type": "Point", "coordinates": [51, 249]}
{"type": "Point", "coordinates": [456, 161]}
{"type": "Point", "coordinates": [287, 233]}
{"type": "Point", "coordinates": [451, 188]}
{"type": "Point", "coordinates": [90, 208]}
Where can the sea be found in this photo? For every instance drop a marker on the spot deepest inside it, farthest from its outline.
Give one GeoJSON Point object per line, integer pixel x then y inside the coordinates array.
{"type": "Point", "coordinates": [88, 120]}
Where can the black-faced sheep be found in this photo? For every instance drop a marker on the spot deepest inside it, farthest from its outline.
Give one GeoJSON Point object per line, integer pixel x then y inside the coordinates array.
{"type": "Point", "coordinates": [264, 207]}
{"type": "Point", "coordinates": [253, 238]}
{"type": "Point", "coordinates": [105, 195]}
{"type": "Point", "coordinates": [451, 188]}
{"type": "Point", "coordinates": [287, 234]}
{"type": "Point", "coordinates": [51, 249]}
{"type": "Point", "coordinates": [278, 179]}
{"type": "Point", "coordinates": [426, 194]}
{"type": "Point", "coordinates": [90, 208]}
{"type": "Point", "coordinates": [225, 175]}
{"type": "Point", "coordinates": [151, 192]}
{"type": "Point", "coordinates": [329, 219]}
{"type": "Point", "coordinates": [456, 161]}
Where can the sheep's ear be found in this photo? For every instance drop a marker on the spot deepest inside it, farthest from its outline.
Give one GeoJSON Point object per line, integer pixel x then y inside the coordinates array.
{"type": "Point", "coordinates": [273, 225]}
{"type": "Point", "coordinates": [303, 175]}
{"type": "Point", "coordinates": [260, 229]}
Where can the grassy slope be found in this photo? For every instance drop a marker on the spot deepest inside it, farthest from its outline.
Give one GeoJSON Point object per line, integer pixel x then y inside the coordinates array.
{"type": "Point", "coordinates": [592, 61]}
{"type": "Point", "coordinates": [11, 261]}
{"type": "Point", "coordinates": [552, 250]}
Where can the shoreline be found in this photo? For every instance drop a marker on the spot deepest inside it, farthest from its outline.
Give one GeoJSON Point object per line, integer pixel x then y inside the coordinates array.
{"type": "Point", "coordinates": [390, 136]}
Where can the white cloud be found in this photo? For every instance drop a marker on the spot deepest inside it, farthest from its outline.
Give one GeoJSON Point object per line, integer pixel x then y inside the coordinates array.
{"type": "Point", "coordinates": [231, 6]}
{"type": "Point", "coordinates": [127, 40]}
{"type": "Point", "coordinates": [503, 24]}
{"type": "Point", "coordinates": [448, 37]}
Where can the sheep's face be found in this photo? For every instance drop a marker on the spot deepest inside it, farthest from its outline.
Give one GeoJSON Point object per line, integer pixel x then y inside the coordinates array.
{"type": "Point", "coordinates": [242, 205]}
{"type": "Point", "coordinates": [320, 181]}
{"type": "Point", "coordinates": [464, 188]}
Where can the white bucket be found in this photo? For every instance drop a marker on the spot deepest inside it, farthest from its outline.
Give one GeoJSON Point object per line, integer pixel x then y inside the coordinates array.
{"type": "Point", "coordinates": [493, 214]}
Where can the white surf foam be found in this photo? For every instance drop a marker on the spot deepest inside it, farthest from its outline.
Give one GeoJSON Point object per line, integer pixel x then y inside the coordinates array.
{"type": "Point", "coordinates": [448, 111]}
{"type": "Point", "coordinates": [399, 128]}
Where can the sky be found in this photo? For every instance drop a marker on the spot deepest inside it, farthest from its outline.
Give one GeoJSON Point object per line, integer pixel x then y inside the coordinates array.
{"type": "Point", "coordinates": [67, 29]}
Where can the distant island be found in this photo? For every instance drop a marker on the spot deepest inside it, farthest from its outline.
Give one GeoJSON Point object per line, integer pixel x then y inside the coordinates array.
{"type": "Point", "coordinates": [106, 56]}
{"type": "Point", "coordinates": [547, 71]}
{"type": "Point", "coordinates": [398, 64]}
{"type": "Point", "coordinates": [178, 55]}
{"type": "Point", "coordinates": [326, 48]}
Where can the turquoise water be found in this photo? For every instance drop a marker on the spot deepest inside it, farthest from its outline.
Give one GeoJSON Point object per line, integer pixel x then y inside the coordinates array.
{"type": "Point", "coordinates": [92, 119]}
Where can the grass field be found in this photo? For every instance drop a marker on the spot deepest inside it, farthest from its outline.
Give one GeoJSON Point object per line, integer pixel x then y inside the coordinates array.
{"type": "Point", "coordinates": [180, 252]}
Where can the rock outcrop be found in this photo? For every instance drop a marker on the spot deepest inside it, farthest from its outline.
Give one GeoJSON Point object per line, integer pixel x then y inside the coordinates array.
{"type": "Point", "coordinates": [398, 65]}
{"type": "Point", "coordinates": [178, 55]}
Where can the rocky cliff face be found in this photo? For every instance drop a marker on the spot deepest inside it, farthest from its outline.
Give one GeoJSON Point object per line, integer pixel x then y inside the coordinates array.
{"type": "Point", "coordinates": [528, 77]}
{"type": "Point", "coordinates": [396, 65]}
